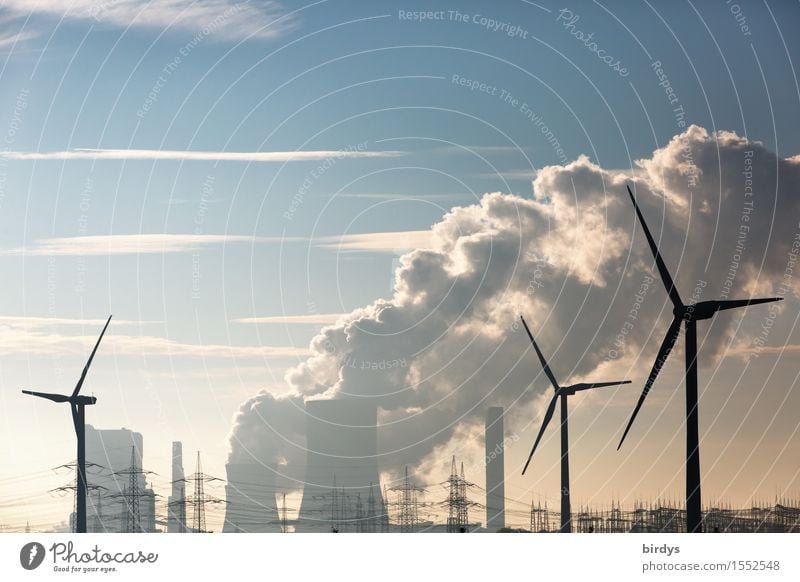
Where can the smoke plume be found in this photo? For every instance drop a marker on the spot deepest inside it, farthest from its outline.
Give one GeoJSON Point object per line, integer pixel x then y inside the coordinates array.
{"type": "Point", "coordinates": [574, 261]}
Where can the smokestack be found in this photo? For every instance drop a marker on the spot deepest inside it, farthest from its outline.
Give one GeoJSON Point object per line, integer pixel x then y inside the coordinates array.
{"type": "Point", "coordinates": [176, 507]}
{"type": "Point", "coordinates": [341, 466]}
{"type": "Point", "coordinates": [250, 496]}
{"type": "Point", "coordinates": [495, 470]}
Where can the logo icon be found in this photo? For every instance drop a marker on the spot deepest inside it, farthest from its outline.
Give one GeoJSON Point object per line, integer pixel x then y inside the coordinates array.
{"type": "Point", "coordinates": [31, 555]}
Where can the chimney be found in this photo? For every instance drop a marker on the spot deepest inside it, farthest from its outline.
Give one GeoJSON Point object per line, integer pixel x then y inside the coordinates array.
{"type": "Point", "coordinates": [176, 507]}
{"type": "Point", "coordinates": [495, 470]}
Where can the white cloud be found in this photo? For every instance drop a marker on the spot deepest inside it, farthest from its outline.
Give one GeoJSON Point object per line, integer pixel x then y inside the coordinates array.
{"type": "Point", "coordinates": [38, 322]}
{"type": "Point", "coordinates": [182, 155]}
{"type": "Point", "coordinates": [226, 19]}
{"type": "Point", "coordinates": [141, 244]}
{"type": "Point", "coordinates": [315, 319]}
{"type": "Point", "coordinates": [23, 340]}
{"type": "Point", "coordinates": [9, 39]}
{"type": "Point", "coordinates": [572, 258]}
{"type": "Point", "coordinates": [128, 244]}
{"type": "Point", "coordinates": [378, 241]}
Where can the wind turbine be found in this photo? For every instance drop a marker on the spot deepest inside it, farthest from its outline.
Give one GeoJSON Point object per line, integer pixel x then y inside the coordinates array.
{"type": "Point", "coordinates": [561, 394]}
{"type": "Point", "coordinates": [690, 315]}
{"type": "Point", "coordinates": [77, 403]}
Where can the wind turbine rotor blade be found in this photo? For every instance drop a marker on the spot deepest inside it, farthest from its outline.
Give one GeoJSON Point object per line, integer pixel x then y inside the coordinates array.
{"type": "Point", "coordinates": [89, 361]}
{"type": "Point", "coordinates": [541, 357]}
{"type": "Point", "coordinates": [666, 278]}
{"type": "Point", "coordinates": [734, 303]}
{"type": "Point", "coordinates": [584, 386]}
{"type": "Point", "coordinates": [548, 416]}
{"type": "Point", "coordinates": [663, 354]}
{"type": "Point", "coordinates": [53, 397]}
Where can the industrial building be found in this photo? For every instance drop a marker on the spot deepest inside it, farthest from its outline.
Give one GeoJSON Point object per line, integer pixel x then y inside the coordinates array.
{"type": "Point", "coordinates": [116, 487]}
{"type": "Point", "coordinates": [494, 444]}
{"type": "Point", "coordinates": [176, 504]}
{"type": "Point", "coordinates": [342, 485]}
{"type": "Point", "coordinates": [250, 499]}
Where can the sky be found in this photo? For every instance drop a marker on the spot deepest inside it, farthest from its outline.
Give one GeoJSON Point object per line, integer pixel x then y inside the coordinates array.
{"type": "Point", "coordinates": [227, 179]}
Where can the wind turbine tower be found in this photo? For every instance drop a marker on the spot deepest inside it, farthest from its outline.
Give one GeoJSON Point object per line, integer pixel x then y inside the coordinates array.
{"type": "Point", "coordinates": [77, 405]}
{"type": "Point", "coordinates": [689, 315]}
{"type": "Point", "coordinates": [561, 394]}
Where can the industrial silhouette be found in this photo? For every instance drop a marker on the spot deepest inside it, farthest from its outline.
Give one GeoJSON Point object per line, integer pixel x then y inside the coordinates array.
{"type": "Point", "coordinates": [561, 395]}
{"type": "Point", "coordinates": [342, 449]}
{"type": "Point", "coordinates": [690, 315]}
{"type": "Point", "coordinates": [494, 447]}
{"type": "Point", "coordinates": [77, 404]}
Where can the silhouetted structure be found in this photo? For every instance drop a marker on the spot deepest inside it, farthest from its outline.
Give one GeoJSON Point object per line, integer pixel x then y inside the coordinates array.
{"type": "Point", "coordinates": [457, 501]}
{"type": "Point", "coordinates": [782, 516]}
{"type": "Point", "coordinates": [134, 496]}
{"type": "Point", "coordinates": [561, 394]}
{"type": "Point", "coordinates": [407, 504]}
{"type": "Point", "coordinates": [77, 404]}
{"type": "Point", "coordinates": [250, 497]}
{"type": "Point", "coordinates": [494, 445]}
{"type": "Point", "coordinates": [688, 314]}
{"type": "Point", "coordinates": [198, 499]}
{"type": "Point", "coordinates": [176, 504]}
{"type": "Point", "coordinates": [341, 437]}
{"type": "Point", "coordinates": [106, 508]}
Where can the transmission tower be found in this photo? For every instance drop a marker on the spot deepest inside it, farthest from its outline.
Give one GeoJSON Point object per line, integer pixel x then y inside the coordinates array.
{"type": "Point", "coordinates": [198, 500]}
{"type": "Point", "coordinates": [91, 469]}
{"type": "Point", "coordinates": [369, 525]}
{"type": "Point", "coordinates": [132, 492]}
{"type": "Point", "coordinates": [176, 509]}
{"type": "Point", "coordinates": [385, 514]}
{"type": "Point", "coordinates": [407, 503]}
{"type": "Point", "coordinates": [457, 501]}
{"type": "Point", "coordinates": [540, 518]}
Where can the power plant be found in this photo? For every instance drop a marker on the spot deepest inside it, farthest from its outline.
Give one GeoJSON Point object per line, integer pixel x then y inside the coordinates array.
{"type": "Point", "coordinates": [176, 504]}
{"type": "Point", "coordinates": [341, 466]}
{"type": "Point", "coordinates": [250, 499]}
{"type": "Point", "coordinates": [494, 445]}
{"type": "Point", "coordinates": [119, 495]}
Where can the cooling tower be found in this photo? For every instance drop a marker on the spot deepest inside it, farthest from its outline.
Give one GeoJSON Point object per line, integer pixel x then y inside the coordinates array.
{"type": "Point", "coordinates": [342, 487]}
{"type": "Point", "coordinates": [250, 497]}
{"type": "Point", "coordinates": [495, 470]}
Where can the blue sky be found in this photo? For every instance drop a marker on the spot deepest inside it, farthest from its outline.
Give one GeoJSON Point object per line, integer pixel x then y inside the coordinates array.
{"type": "Point", "coordinates": [435, 113]}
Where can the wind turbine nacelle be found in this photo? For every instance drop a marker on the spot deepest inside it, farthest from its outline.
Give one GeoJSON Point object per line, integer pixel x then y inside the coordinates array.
{"type": "Point", "coordinates": [84, 400]}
